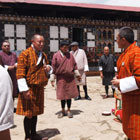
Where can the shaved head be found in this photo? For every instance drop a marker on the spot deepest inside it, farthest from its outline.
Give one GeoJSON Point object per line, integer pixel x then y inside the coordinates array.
{"type": "Point", "coordinates": [38, 42]}
{"type": "Point", "coordinates": [106, 50]}
{"type": "Point", "coordinates": [35, 37]}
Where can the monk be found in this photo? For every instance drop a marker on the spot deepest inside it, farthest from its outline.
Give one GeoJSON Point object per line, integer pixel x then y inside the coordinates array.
{"type": "Point", "coordinates": [128, 81]}
{"type": "Point", "coordinates": [64, 70]}
{"type": "Point", "coordinates": [31, 74]}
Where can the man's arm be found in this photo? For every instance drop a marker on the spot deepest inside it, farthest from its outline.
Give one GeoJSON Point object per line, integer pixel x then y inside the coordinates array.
{"type": "Point", "coordinates": [132, 82]}
{"type": "Point", "coordinates": [86, 68]}
{"type": "Point", "coordinates": [101, 68]}
{"type": "Point", "coordinates": [21, 73]}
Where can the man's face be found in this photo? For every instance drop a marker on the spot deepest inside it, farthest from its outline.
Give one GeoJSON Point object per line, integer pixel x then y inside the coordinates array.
{"type": "Point", "coordinates": [64, 48]}
{"type": "Point", "coordinates": [74, 48]}
{"type": "Point", "coordinates": [120, 41]}
{"type": "Point", "coordinates": [38, 43]}
{"type": "Point", "coordinates": [6, 47]}
{"type": "Point", "coordinates": [106, 50]}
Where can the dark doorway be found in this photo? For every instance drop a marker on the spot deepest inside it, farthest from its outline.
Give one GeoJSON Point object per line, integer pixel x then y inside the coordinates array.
{"type": "Point", "coordinates": [78, 35]}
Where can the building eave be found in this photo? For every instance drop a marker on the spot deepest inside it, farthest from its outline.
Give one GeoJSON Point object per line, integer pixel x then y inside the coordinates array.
{"type": "Point", "coordinates": [71, 4]}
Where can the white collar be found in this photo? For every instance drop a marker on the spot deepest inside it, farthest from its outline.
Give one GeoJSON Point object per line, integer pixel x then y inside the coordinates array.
{"type": "Point", "coordinates": [61, 53]}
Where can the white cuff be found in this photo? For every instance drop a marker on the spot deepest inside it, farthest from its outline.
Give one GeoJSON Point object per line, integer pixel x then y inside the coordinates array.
{"type": "Point", "coordinates": [6, 67]}
{"type": "Point", "coordinates": [86, 68]}
{"type": "Point", "coordinates": [100, 68]}
{"type": "Point", "coordinates": [15, 64]}
{"type": "Point", "coordinates": [128, 84]}
{"type": "Point", "coordinates": [76, 72]}
{"type": "Point", "coordinates": [51, 69]}
{"type": "Point", "coordinates": [22, 85]}
{"type": "Point", "coordinates": [115, 68]}
{"type": "Point", "coordinates": [52, 77]}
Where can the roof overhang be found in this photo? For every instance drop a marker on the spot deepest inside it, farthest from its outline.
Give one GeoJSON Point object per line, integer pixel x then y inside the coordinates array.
{"type": "Point", "coordinates": [74, 4]}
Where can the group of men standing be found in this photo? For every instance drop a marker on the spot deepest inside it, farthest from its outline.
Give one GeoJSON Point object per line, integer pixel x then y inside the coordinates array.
{"type": "Point", "coordinates": [31, 71]}
{"type": "Point", "coordinates": [68, 68]}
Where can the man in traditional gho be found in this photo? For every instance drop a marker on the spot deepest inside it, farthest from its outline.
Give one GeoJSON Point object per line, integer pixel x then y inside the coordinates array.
{"type": "Point", "coordinates": [31, 74]}
{"type": "Point", "coordinates": [6, 104]}
{"type": "Point", "coordinates": [65, 70]}
{"type": "Point", "coordinates": [82, 64]}
{"type": "Point", "coordinates": [107, 68]}
{"type": "Point", "coordinates": [9, 60]}
{"type": "Point", "coordinates": [128, 81]}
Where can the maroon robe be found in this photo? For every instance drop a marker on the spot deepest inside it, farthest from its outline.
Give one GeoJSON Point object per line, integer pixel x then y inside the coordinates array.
{"type": "Point", "coordinates": [10, 59]}
{"type": "Point", "coordinates": [63, 68]}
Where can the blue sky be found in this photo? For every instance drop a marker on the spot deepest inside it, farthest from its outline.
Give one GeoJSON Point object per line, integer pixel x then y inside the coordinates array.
{"type": "Point", "coordinates": [130, 3]}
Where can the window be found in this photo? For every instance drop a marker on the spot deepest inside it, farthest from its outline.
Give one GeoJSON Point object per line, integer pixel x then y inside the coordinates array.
{"type": "Point", "coordinates": [16, 34]}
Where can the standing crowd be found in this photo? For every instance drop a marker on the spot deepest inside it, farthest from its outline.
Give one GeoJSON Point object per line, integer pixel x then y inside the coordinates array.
{"type": "Point", "coordinates": [29, 74]}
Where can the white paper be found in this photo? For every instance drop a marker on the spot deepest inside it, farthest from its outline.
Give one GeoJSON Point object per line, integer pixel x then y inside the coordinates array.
{"type": "Point", "coordinates": [20, 31]}
{"type": "Point", "coordinates": [135, 34]}
{"type": "Point", "coordinates": [9, 30]}
{"type": "Point", "coordinates": [53, 32]}
{"type": "Point", "coordinates": [116, 49]}
{"type": "Point", "coordinates": [116, 31]}
{"type": "Point", "coordinates": [12, 44]}
{"type": "Point", "coordinates": [64, 32]}
{"type": "Point", "coordinates": [90, 35]}
{"type": "Point", "coordinates": [21, 44]}
{"type": "Point", "coordinates": [90, 43]}
{"type": "Point", "coordinates": [53, 45]}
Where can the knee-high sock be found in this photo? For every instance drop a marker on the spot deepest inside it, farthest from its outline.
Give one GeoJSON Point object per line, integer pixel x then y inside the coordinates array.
{"type": "Point", "coordinates": [33, 125]}
{"type": "Point", "coordinates": [78, 90]}
{"type": "Point", "coordinates": [27, 127]}
{"type": "Point", "coordinates": [69, 103]}
{"type": "Point", "coordinates": [106, 89]}
{"type": "Point", "coordinates": [63, 104]}
{"type": "Point", "coordinates": [85, 90]}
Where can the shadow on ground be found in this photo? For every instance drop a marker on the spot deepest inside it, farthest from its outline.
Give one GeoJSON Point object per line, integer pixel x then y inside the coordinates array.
{"type": "Point", "coordinates": [74, 112]}
{"type": "Point", "coordinates": [47, 133]}
{"type": "Point", "coordinates": [109, 96]}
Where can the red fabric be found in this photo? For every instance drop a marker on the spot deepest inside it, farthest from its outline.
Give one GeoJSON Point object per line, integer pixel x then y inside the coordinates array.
{"type": "Point", "coordinates": [63, 68]}
{"type": "Point", "coordinates": [36, 80]}
{"type": "Point", "coordinates": [129, 65]}
{"type": "Point", "coordinates": [27, 68]}
{"type": "Point", "coordinates": [10, 60]}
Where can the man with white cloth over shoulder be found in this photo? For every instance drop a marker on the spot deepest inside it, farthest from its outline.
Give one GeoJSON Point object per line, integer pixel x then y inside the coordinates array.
{"type": "Point", "coordinates": [128, 81]}
{"type": "Point", "coordinates": [82, 64]}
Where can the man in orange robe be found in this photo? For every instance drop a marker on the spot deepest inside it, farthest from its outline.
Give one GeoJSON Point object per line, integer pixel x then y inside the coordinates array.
{"type": "Point", "coordinates": [31, 76]}
{"type": "Point", "coordinates": [128, 81]}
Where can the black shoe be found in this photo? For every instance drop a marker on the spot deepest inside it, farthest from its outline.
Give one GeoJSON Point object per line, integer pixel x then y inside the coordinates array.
{"type": "Point", "coordinates": [14, 110]}
{"type": "Point", "coordinates": [88, 98]}
{"type": "Point", "coordinates": [77, 98]}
